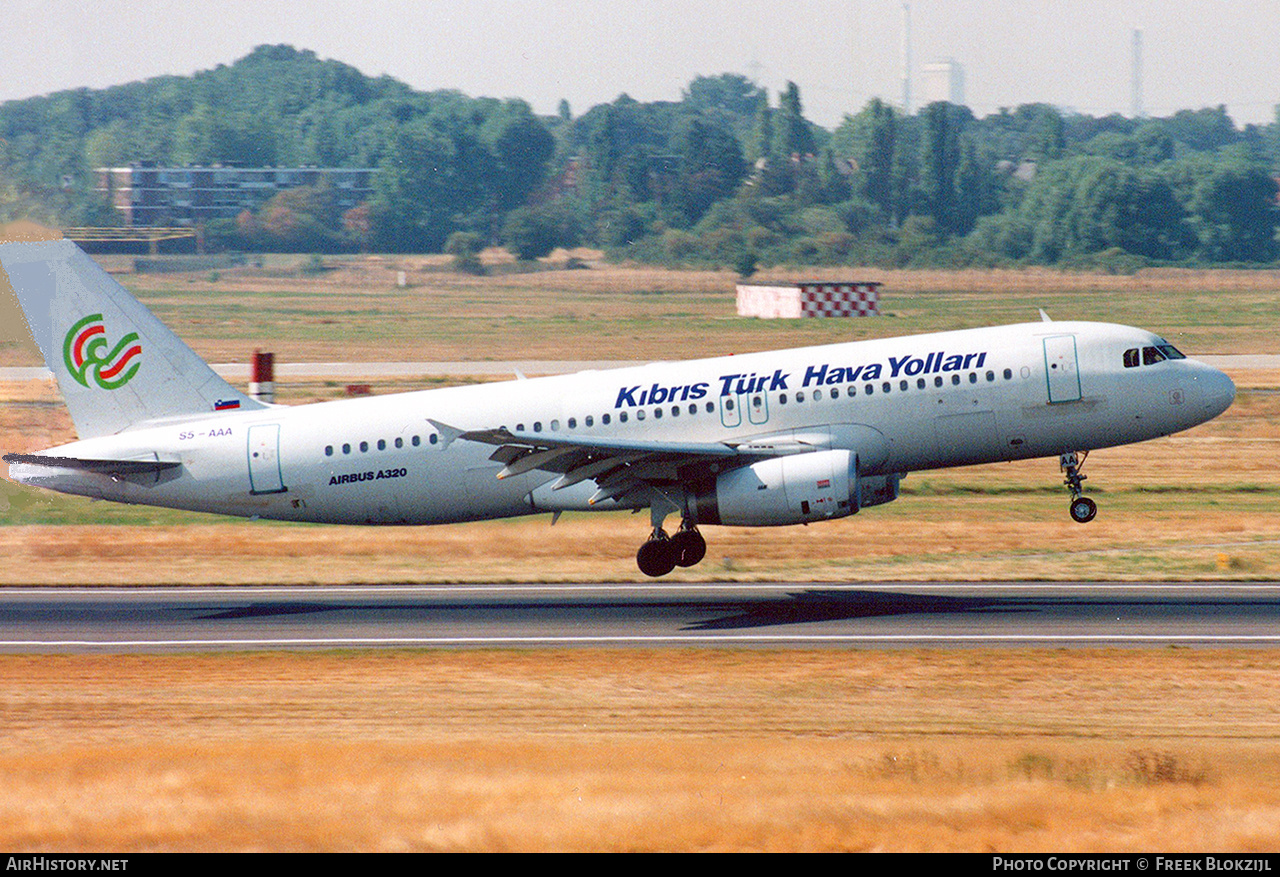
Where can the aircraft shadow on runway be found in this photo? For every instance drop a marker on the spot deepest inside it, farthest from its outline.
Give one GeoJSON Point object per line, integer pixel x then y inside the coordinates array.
{"type": "Point", "coordinates": [798, 607]}
{"type": "Point", "coordinates": [805, 607]}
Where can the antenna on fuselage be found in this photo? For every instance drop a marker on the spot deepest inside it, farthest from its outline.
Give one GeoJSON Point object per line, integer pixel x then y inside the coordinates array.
{"type": "Point", "coordinates": [1045, 317]}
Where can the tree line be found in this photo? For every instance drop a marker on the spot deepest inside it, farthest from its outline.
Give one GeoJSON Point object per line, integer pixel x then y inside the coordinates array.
{"type": "Point", "coordinates": [727, 175]}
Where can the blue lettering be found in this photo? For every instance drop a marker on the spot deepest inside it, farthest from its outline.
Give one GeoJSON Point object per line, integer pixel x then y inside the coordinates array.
{"type": "Point", "coordinates": [814, 375]}
{"type": "Point", "coordinates": [625, 395]}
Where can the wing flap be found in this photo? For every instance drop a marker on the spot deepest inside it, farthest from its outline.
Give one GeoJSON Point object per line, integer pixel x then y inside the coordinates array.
{"type": "Point", "coordinates": [536, 441]}
{"type": "Point", "coordinates": [620, 467]}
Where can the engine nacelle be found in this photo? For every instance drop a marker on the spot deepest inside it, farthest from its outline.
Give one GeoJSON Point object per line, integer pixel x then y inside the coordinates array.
{"type": "Point", "coordinates": [794, 489]}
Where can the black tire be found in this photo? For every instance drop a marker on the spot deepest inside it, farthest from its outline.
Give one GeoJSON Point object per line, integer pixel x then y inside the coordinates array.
{"type": "Point", "coordinates": [689, 547]}
{"type": "Point", "coordinates": [656, 557]}
{"type": "Point", "coordinates": [1083, 510]}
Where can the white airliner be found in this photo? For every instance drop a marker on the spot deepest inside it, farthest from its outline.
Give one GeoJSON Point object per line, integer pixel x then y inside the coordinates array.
{"type": "Point", "coordinates": [783, 437]}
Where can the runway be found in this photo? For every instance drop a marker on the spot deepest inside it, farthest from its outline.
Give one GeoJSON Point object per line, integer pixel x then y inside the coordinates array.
{"type": "Point", "coordinates": [809, 615]}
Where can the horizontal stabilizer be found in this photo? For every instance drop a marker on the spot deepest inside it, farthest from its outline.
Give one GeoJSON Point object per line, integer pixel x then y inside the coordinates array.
{"type": "Point", "coordinates": [105, 467]}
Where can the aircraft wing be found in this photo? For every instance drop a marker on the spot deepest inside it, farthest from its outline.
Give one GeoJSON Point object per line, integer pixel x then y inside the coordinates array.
{"type": "Point", "coordinates": [619, 467]}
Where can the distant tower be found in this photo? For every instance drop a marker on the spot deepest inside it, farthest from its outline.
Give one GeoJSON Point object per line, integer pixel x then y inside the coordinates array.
{"type": "Point", "coordinates": [944, 80]}
{"type": "Point", "coordinates": [1137, 74]}
{"type": "Point", "coordinates": [906, 58]}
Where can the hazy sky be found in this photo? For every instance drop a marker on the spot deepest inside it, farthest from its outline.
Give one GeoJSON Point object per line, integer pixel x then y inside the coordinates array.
{"type": "Point", "coordinates": [1072, 53]}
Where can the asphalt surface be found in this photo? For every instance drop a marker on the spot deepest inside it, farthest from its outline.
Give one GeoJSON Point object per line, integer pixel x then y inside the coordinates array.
{"type": "Point", "coordinates": [812, 615]}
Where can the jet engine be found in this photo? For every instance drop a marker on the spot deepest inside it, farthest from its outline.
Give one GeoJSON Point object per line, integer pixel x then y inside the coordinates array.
{"type": "Point", "coordinates": [793, 489]}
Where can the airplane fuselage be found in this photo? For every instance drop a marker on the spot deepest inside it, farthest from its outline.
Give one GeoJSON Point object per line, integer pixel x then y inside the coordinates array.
{"type": "Point", "coordinates": [900, 404]}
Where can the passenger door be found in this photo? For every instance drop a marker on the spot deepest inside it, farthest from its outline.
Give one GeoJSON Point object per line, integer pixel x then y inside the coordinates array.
{"type": "Point", "coordinates": [264, 459]}
{"type": "Point", "coordinates": [1062, 369]}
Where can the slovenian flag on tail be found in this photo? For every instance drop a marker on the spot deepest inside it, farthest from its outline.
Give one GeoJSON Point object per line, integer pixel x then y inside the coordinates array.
{"type": "Point", "coordinates": [220, 405]}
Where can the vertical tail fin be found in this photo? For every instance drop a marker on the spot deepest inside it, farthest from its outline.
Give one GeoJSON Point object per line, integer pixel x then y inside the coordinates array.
{"type": "Point", "coordinates": [115, 363]}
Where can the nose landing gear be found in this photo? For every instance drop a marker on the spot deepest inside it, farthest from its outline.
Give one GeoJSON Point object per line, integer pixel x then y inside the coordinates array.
{"type": "Point", "coordinates": [1083, 509]}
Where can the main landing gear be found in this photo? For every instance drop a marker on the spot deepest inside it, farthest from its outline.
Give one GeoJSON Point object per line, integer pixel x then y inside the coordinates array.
{"type": "Point", "coordinates": [662, 553]}
{"type": "Point", "coordinates": [1083, 509]}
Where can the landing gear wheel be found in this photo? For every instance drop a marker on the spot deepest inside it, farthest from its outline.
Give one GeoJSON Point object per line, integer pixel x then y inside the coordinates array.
{"type": "Point", "coordinates": [1083, 509]}
{"type": "Point", "coordinates": [657, 557]}
{"type": "Point", "coordinates": [688, 547]}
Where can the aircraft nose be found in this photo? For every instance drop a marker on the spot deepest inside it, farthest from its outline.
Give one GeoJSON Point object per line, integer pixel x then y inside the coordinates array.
{"type": "Point", "coordinates": [1219, 391]}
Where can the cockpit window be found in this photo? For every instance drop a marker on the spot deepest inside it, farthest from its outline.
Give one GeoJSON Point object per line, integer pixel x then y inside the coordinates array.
{"type": "Point", "coordinates": [1134, 356]}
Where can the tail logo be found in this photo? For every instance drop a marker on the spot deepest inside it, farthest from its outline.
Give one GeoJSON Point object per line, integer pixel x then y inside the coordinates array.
{"type": "Point", "coordinates": [85, 351]}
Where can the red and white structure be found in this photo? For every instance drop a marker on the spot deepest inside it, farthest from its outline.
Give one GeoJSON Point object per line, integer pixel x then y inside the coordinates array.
{"type": "Point", "coordinates": [809, 299]}
{"type": "Point", "coordinates": [262, 379]}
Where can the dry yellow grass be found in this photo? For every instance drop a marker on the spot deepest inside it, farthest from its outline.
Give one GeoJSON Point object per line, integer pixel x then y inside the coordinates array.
{"type": "Point", "coordinates": [679, 750]}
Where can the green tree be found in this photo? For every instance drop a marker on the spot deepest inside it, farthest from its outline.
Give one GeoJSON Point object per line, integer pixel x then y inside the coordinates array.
{"type": "Point", "coordinates": [530, 233]}
{"type": "Point", "coordinates": [942, 148]}
{"type": "Point", "coordinates": [711, 166]}
{"type": "Point", "coordinates": [1234, 215]}
{"type": "Point", "coordinates": [792, 136]}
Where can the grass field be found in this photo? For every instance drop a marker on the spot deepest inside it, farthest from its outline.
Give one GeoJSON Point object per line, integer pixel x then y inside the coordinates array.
{"type": "Point", "coordinates": [1066, 750]}
{"type": "Point", "coordinates": [981, 751]}
{"type": "Point", "coordinates": [356, 312]}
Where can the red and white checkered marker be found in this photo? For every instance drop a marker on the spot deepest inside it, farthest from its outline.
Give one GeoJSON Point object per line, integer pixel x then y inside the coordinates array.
{"type": "Point", "coordinates": [810, 300]}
